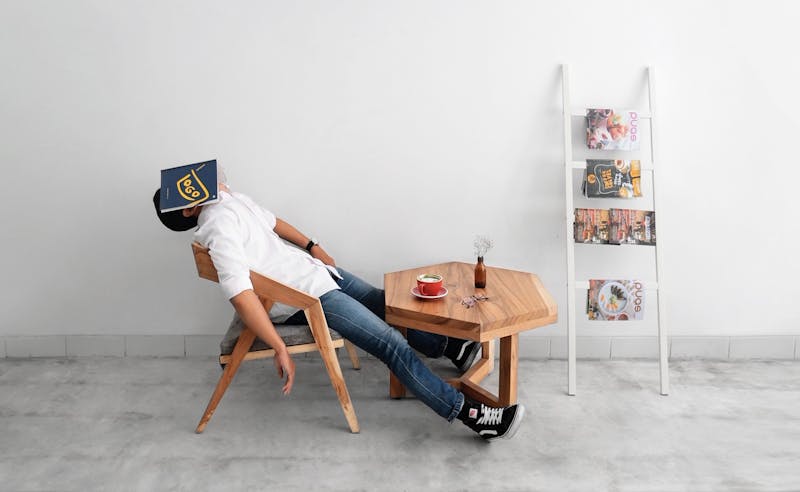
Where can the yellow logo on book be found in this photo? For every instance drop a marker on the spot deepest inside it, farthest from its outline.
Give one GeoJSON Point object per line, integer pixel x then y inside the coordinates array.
{"type": "Point", "coordinates": [191, 188]}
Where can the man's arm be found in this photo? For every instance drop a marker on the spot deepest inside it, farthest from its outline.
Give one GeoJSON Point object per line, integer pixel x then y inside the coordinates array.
{"type": "Point", "coordinates": [252, 312]}
{"type": "Point", "coordinates": [288, 232]}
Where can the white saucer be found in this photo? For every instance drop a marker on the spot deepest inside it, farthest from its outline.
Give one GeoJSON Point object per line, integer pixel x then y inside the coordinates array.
{"type": "Point", "coordinates": [442, 293]}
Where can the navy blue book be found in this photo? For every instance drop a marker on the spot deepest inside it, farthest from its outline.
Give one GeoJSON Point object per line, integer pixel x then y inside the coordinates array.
{"type": "Point", "coordinates": [188, 186]}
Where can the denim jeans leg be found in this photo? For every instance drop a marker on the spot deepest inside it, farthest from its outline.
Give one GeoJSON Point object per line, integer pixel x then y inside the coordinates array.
{"type": "Point", "coordinates": [365, 293]}
{"type": "Point", "coordinates": [362, 327]}
{"type": "Point", "coordinates": [374, 299]}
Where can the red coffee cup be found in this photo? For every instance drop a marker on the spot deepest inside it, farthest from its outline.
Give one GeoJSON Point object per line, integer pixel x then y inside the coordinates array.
{"type": "Point", "coordinates": [429, 284]}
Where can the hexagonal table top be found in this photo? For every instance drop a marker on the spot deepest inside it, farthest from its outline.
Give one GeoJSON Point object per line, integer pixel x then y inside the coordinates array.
{"type": "Point", "coordinates": [516, 301]}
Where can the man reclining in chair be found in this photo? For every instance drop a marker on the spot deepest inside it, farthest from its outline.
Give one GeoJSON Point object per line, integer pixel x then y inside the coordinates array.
{"type": "Point", "coordinates": [242, 236]}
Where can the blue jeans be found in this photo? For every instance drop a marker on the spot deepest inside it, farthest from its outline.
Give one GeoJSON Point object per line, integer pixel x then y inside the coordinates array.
{"type": "Point", "coordinates": [357, 311]}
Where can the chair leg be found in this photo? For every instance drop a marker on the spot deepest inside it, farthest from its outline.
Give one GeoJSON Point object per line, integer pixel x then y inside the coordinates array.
{"type": "Point", "coordinates": [319, 328]}
{"type": "Point", "coordinates": [351, 351]}
{"type": "Point", "coordinates": [243, 345]}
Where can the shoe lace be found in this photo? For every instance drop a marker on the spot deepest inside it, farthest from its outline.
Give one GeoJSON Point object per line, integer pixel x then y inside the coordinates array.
{"type": "Point", "coordinates": [490, 415]}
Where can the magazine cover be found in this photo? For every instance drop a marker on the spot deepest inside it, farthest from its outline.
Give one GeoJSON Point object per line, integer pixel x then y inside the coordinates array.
{"type": "Point", "coordinates": [591, 225]}
{"type": "Point", "coordinates": [615, 300]}
{"type": "Point", "coordinates": [189, 185]}
{"type": "Point", "coordinates": [612, 130]}
{"type": "Point", "coordinates": [612, 178]}
{"type": "Point", "coordinates": [632, 227]}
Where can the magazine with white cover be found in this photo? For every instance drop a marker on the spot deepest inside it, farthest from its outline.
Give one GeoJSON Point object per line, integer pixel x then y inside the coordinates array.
{"type": "Point", "coordinates": [610, 129]}
{"type": "Point", "coordinates": [615, 300]}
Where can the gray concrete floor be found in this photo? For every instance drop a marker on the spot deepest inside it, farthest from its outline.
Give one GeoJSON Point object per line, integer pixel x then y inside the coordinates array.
{"type": "Point", "coordinates": [127, 424]}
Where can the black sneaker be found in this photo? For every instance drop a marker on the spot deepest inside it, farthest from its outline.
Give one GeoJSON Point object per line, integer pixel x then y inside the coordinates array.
{"type": "Point", "coordinates": [462, 352]}
{"type": "Point", "coordinates": [495, 422]}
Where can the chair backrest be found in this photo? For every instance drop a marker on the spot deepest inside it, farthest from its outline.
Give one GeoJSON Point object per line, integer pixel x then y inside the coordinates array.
{"type": "Point", "coordinates": [205, 267]}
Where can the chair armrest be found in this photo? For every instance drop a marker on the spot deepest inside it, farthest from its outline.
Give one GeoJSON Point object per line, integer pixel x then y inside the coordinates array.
{"type": "Point", "coordinates": [280, 292]}
{"type": "Point", "coordinates": [263, 286]}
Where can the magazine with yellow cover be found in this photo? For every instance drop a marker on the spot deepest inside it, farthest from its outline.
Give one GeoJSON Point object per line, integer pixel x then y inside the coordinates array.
{"type": "Point", "coordinates": [613, 178]}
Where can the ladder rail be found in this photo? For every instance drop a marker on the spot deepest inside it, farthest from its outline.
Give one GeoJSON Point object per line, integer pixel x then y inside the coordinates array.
{"type": "Point", "coordinates": [572, 283]}
{"type": "Point", "coordinates": [568, 219]}
{"type": "Point", "coordinates": [663, 341]}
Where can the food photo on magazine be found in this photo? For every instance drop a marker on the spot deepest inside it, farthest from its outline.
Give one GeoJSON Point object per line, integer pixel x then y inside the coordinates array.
{"type": "Point", "coordinates": [607, 129]}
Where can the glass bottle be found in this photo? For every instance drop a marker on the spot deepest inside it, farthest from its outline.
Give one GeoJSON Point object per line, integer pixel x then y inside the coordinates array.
{"type": "Point", "coordinates": [480, 274]}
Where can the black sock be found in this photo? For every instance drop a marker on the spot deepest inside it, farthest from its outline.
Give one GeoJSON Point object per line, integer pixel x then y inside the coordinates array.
{"type": "Point", "coordinates": [463, 415]}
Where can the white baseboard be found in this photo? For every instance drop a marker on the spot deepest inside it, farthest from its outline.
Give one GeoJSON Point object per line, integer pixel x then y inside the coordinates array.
{"type": "Point", "coordinates": [763, 348]}
{"type": "Point", "coordinates": [700, 347]}
{"type": "Point", "coordinates": [784, 347]}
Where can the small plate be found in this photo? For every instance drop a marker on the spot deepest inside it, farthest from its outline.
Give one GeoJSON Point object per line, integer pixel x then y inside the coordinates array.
{"type": "Point", "coordinates": [604, 297]}
{"type": "Point", "coordinates": [442, 293]}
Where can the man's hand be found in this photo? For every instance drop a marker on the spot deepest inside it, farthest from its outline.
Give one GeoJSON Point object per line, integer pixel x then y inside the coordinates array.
{"type": "Point", "coordinates": [320, 254]}
{"type": "Point", "coordinates": [285, 365]}
{"type": "Point", "coordinates": [255, 317]}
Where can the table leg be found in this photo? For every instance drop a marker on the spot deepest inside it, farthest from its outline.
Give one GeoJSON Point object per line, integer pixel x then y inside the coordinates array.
{"type": "Point", "coordinates": [396, 388]}
{"type": "Point", "coordinates": [482, 368]}
{"type": "Point", "coordinates": [487, 352]}
{"type": "Point", "coordinates": [478, 393]}
{"type": "Point", "coordinates": [509, 359]}
{"type": "Point", "coordinates": [468, 383]}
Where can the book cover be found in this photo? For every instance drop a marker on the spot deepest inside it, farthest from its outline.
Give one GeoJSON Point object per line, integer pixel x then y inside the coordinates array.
{"type": "Point", "coordinates": [632, 227]}
{"type": "Point", "coordinates": [615, 300]}
{"type": "Point", "coordinates": [613, 178]}
{"type": "Point", "coordinates": [591, 226]}
{"type": "Point", "coordinates": [189, 185]}
{"type": "Point", "coordinates": [608, 129]}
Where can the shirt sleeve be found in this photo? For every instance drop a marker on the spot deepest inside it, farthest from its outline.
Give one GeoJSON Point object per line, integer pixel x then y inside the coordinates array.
{"type": "Point", "coordinates": [222, 236]}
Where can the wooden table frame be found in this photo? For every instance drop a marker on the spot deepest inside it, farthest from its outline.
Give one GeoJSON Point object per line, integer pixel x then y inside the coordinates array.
{"type": "Point", "coordinates": [517, 302]}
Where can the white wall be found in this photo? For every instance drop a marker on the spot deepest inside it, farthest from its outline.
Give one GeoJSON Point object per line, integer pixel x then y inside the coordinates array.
{"type": "Point", "coordinates": [343, 116]}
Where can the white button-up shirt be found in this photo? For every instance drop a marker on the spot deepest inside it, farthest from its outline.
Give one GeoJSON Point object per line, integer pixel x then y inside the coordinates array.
{"type": "Point", "coordinates": [240, 237]}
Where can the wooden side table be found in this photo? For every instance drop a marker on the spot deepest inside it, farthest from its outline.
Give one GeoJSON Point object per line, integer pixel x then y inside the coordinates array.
{"type": "Point", "coordinates": [517, 302]}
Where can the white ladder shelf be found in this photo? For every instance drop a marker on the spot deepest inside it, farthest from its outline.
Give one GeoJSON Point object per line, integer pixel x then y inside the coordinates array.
{"type": "Point", "coordinates": [570, 166]}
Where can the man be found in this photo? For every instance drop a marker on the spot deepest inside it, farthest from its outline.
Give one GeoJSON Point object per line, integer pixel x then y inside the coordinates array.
{"type": "Point", "coordinates": [242, 236]}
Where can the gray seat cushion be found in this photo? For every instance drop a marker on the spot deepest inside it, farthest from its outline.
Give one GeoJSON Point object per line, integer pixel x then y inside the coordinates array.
{"type": "Point", "coordinates": [291, 335]}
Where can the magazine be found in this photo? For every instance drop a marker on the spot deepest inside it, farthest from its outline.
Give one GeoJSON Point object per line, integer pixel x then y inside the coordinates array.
{"type": "Point", "coordinates": [188, 186]}
{"type": "Point", "coordinates": [632, 227]}
{"type": "Point", "coordinates": [612, 178]}
{"type": "Point", "coordinates": [608, 129]}
{"type": "Point", "coordinates": [591, 225]}
{"type": "Point", "coordinates": [615, 300]}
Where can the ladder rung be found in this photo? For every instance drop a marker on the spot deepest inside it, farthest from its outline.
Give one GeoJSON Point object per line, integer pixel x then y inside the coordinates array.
{"type": "Point", "coordinates": [578, 111]}
{"type": "Point", "coordinates": [584, 284]}
{"type": "Point", "coordinates": [646, 166]}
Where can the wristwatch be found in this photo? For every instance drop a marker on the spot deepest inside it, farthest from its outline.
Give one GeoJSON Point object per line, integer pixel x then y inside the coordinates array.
{"type": "Point", "coordinates": [311, 243]}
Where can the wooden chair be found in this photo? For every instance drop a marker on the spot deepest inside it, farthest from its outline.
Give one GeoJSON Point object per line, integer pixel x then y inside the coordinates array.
{"type": "Point", "coordinates": [270, 291]}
